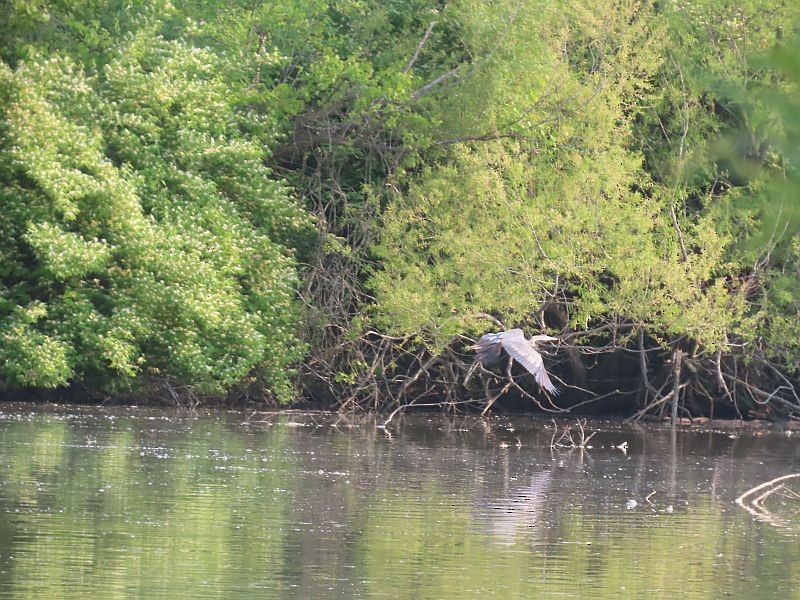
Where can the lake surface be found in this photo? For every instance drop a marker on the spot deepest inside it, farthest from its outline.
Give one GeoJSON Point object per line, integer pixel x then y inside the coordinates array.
{"type": "Point", "coordinates": [135, 503]}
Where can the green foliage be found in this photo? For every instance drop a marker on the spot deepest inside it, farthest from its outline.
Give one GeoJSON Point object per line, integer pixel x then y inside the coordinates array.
{"type": "Point", "coordinates": [143, 239]}
{"type": "Point", "coordinates": [576, 164]}
{"type": "Point", "coordinates": [720, 133]}
{"type": "Point", "coordinates": [615, 204]}
{"type": "Point", "coordinates": [30, 356]}
{"type": "Point", "coordinates": [86, 30]}
{"type": "Point", "coordinates": [507, 228]}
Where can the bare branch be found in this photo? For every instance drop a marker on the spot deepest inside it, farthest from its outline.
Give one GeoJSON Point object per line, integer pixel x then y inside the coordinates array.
{"type": "Point", "coordinates": [419, 47]}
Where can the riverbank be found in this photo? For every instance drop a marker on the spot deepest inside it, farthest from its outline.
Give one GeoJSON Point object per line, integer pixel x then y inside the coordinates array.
{"type": "Point", "coordinates": [50, 402]}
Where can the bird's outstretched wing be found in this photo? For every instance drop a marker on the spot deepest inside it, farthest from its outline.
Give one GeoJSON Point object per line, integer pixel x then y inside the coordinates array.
{"type": "Point", "coordinates": [521, 350]}
{"type": "Point", "coordinates": [488, 349]}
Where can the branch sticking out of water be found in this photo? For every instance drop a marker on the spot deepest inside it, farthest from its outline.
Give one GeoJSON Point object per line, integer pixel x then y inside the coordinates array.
{"type": "Point", "coordinates": [571, 436]}
{"type": "Point", "coordinates": [753, 499]}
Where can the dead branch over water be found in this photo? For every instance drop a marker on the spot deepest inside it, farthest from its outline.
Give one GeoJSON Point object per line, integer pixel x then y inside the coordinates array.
{"type": "Point", "coordinates": [375, 371]}
{"type": "Point", "coordinates": [570, 437]}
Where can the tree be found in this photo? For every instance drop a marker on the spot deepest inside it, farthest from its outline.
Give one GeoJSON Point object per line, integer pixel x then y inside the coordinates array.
{"type": "Point", "coordinates": [607, 219]}
{"type": "Point", "coordinates": [144, 243]}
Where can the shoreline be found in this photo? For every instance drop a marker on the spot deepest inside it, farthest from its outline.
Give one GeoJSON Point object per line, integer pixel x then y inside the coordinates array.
{"type": "Point", "coordinates": [596, 421]}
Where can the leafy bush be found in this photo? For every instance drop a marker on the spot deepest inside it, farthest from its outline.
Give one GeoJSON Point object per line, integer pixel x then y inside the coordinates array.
{"type": "Point", "coordinates": [142, 238]}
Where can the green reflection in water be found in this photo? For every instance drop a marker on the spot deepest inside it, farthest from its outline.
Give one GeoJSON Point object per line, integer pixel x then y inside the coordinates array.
{"type": "Point", "coordinates": [603, 558]}
{"type": "Point", "coordinates": [127, 504]}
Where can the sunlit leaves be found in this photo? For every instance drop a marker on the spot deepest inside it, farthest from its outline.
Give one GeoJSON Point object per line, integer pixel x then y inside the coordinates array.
{"type": "Point", "coordinates": [568, 219]}
{"type": "Point", "coordinates": [159, 242]}
{"type": "Point", "coordinates": [67, 254]}
{"type": "Point", "coordinates": [29, 356]}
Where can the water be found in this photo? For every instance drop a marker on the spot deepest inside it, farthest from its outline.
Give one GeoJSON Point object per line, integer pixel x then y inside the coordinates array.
{"type": "Point", "coordinates": [132, 503]}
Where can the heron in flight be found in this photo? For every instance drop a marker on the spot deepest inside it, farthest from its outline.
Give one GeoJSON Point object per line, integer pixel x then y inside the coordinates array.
{"type": "Point", "coordinates": [520, 349]}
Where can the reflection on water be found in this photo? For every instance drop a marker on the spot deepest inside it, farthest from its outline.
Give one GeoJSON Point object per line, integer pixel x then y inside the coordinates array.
{"type": "Point", "coordinates": [133, 503]}
{"type": "Point", "coordinates": [519, 506]}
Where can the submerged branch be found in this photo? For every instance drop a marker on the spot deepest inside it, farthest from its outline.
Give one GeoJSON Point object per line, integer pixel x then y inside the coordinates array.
{"type": "Point", "coordinates": [754, 504]}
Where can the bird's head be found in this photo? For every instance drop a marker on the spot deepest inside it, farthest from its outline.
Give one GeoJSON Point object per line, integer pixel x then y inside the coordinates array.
{"type": "Point", "coordinates": [536, 339]}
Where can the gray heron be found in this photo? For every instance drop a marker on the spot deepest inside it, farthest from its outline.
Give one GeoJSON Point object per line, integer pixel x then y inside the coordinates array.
{"type": "Point", "coordinates": [520, 349]}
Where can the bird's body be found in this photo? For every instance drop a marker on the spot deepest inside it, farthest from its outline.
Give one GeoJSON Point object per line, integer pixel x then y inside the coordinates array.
{"type": "Point", "coordinates": [520, 349]}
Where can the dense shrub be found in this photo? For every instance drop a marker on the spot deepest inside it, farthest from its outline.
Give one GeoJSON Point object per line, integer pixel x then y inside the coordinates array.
{"type": "Point", "coordinates": [143, 240]}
